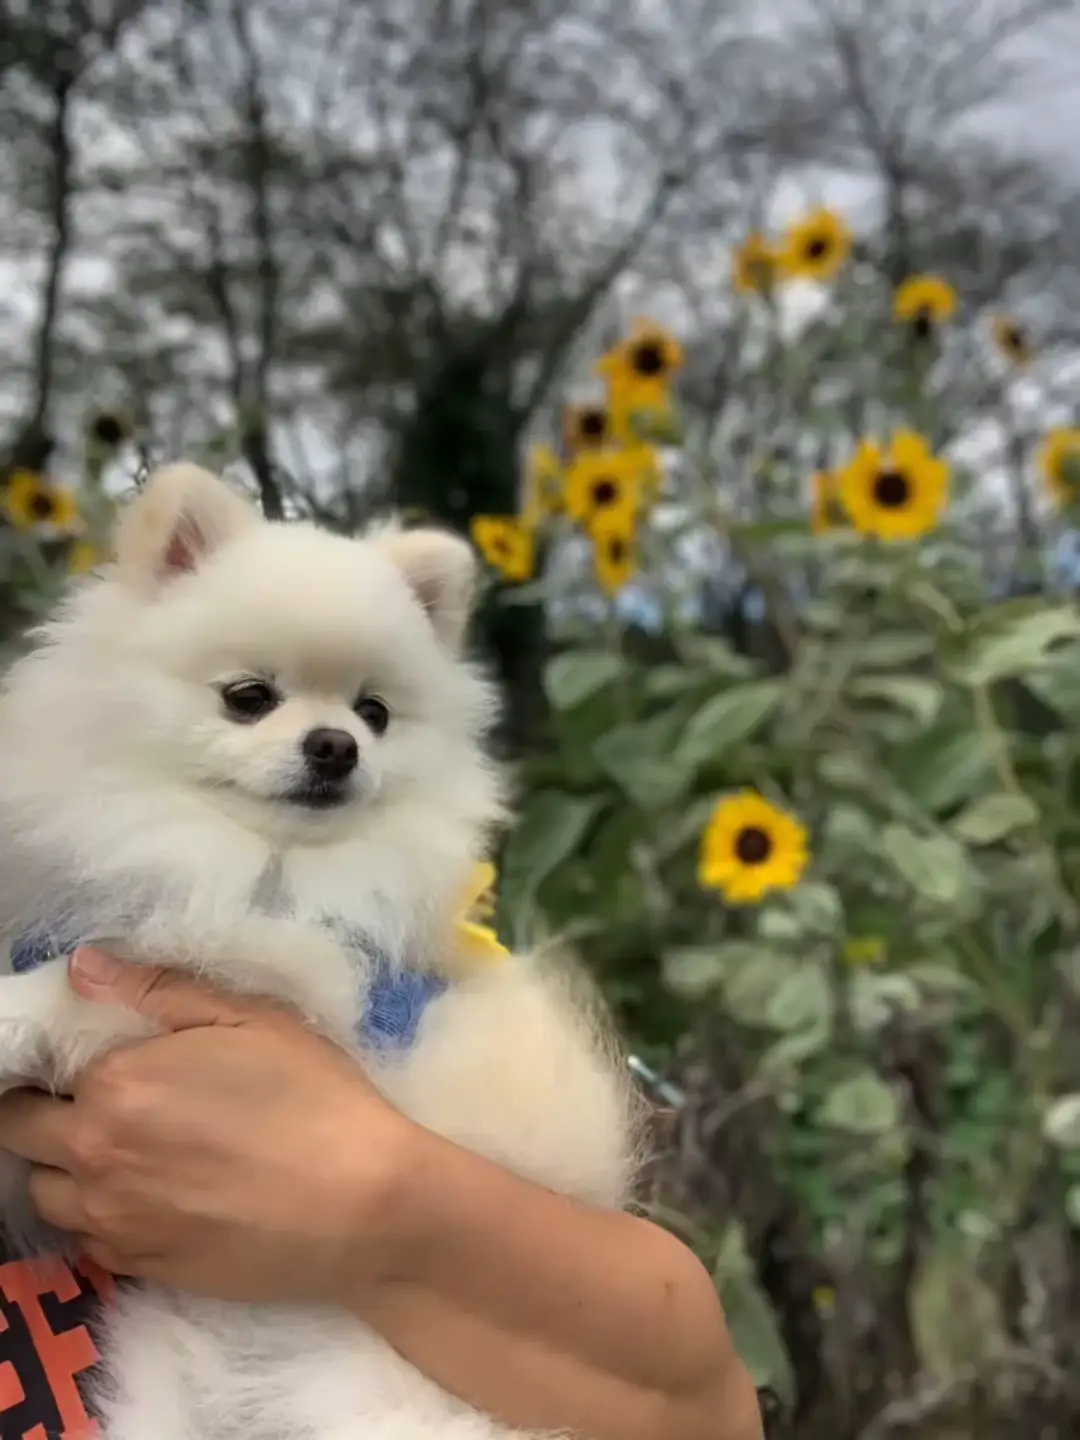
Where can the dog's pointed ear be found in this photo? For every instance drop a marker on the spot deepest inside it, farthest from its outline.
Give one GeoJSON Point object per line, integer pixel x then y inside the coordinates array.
{"type": "Point", "coordinates": [441, 571]}
{"type": "Point", "coordinates": [180, 516]}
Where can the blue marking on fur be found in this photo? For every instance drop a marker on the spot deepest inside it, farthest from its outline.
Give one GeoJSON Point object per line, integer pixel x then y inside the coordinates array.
{"type": "Point", "coordinates": [396, 1001]}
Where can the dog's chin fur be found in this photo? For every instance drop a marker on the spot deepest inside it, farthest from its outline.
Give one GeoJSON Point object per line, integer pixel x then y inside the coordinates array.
{"type": "Point", "coordinates": [132, 806]}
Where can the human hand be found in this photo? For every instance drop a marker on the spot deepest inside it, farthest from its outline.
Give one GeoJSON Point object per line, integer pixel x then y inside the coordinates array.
{"type": "Point", "coordinates": [238, 1154]}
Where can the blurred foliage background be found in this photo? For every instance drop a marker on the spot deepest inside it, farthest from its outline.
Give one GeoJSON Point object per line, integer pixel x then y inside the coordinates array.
{"type": "Point", "coordinates": [744, 346]}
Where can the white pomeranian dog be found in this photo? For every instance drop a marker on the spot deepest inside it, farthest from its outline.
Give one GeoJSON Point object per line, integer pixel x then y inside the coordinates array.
{"type": "Point", "coordinates": [254, 750]}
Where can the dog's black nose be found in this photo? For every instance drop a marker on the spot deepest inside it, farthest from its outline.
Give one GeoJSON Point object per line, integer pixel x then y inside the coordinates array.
{"type": "Point", "coordinates": [330, 754]}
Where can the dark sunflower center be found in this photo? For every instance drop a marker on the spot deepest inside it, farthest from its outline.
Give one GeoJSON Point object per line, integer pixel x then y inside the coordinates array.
{"type": "Point", "coordinates": [501, 547]}
{"type": "Point", "coordinates": [648, 359]}
{"type": "Point", "coordinates": [41, 505]}
{"type": "Point", "coordinates": [753, 845]}
{"type": "Point", "coordinates": [108, 430]}
{"type": "Point", "coordinates": [1014, 339]}
{"type": "Point", "coordinates": [922, 325]}
{"type": "Point", "coordinates": [593, 423]}
{"type": "Point", "coordinates": [892, 489]}
{"type": "Point", "coordinates": [817, 248]}
{"type": "Point", "coordinates": [604, 493]}
{"type": "Point", "coordinates": [616, 550]}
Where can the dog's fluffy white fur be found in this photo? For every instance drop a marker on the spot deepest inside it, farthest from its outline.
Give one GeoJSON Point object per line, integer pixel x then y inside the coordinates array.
{"type": "Point", "coordinates": [134, 809]}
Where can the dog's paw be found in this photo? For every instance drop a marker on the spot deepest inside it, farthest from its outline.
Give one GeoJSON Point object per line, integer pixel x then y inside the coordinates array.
{"type": "Point", "coordinates": [48, 1033]}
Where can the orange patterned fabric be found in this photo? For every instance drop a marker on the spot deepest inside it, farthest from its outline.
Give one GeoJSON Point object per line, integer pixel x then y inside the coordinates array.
{"type": "Point", "coordinates": [47, 1347]}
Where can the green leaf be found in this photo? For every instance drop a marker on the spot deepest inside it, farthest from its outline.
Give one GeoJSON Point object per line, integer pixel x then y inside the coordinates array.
{"type": "Point", "coordinates": [1011, 642]}
{"type": "Point", "coordinates": [845, 770]}
{"type": "Point", "coordinates": [817, 906]}
{"type": "Point", "coordinates": [876, 999]}
{"type": "Point", "coordinates": [941, 769]}
{"type": "Point", "coordinates": [1061, 1123]}
{"type": "Point", "coordinates": [794, 1049]}
{"type": "Point", "coordinates": [935, 866]}
{"type": "Point", "coordinates": [550, 830]}
{"type": "Point", "coordinates": [650, 777]}
{"type": "Point", "coordinates": [825, 615]}
{"type": "Point", "coordinates": [937, 979]}
{"type": "Point", "coordinates": [751, 1319]}
{"type": "Point", "coordinates": [916, 694]}
{"type": "Point", "coordinates": [849, 828]}
{"type": "Point", "coordinates": [891, 649]}
{"type": "Point", "coordinates": [709, 653]}
{"type": "Point", "coordinates": [666, 681]}
{"type": "Point", "coordinates": [692, 972]}
{"type": "Point", "coordinates": [764, 531]}
{"type": "Point", "coordinates": [803, 1000]}
{"type": "Point", "coordinates": [992, 817]}
{"type": "Point", "coordinates": [947, 1285]}
{"type": "Point", "coordinates": [863, 1105]}
{"type": "Point", "coordinates": [727, 720]}
{"type": "Point", "coordinates": [574, 676]}
{"type": "Point", "coordinates": [1057, 684]}
{"type": "Point", "coordinates": [778, 923]}
{"type": "Point", "coordinates": [751, 984]}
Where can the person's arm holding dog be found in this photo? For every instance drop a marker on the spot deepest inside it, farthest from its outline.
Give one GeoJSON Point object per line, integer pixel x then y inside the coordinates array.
{"type": "Point", "coordinates": [216, 1163]}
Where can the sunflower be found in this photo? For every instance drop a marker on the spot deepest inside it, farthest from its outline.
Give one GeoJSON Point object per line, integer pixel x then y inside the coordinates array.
{"type": "Point", "coordinates": [33, 504]}
{"type": "Point", "coordinates": [614, 550]}
{"type": "Point", "coordinates": [923, 303]}
{"type": "Point", "coordinates": [109, 429]}
{"type": "Point", "coordinates": [824, 498]}
{"type": "Point", "coordinates": [609, 481]}
{"type": "Point", "coordinates": [896, 494]}
{"type": "Point", "coordinates": [543, 485]}
{"type": "Point", "coordinates": [639, 372]}
{"type": "Point", "coordinates": [751, 847]}
{"type": "Point", "coordinates": [506, 544]}
{"type": "Point", "coordinates": [1059, 461]}
{"type": "Point", "coordinates": [1012, 341]}
{"type": "Point", "coordinates": [476, 935]}
{"type": "Point", "coordinates": [587, 428]}
{"type": "Point", "coordinates": [816, 247]}
{"type": "Point", "coordinates": [755, 266]}
{"type": "Point", "coordinates": [83, 557]}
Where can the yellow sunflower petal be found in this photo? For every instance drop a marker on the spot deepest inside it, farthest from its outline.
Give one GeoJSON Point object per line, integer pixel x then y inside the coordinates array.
{"type": "Point", "coordinates": [506, 544]}
{"type": "Point", "coordinates": [591, 428]}
{"type": "Point", "coordinates": [1058, 460]}
{"type": "Point", "coordinates": [32, 503]}
{"type": "Point", "coordinates": [817, 247]}
{"type": "Point", "coordinates": [824, 497]}
{"type": "Point", "coordinates": [926, 298]}
{"type": "Point", "coordinates": [1012, 340]}
{"type": "Point", "coordinates": [544, 483]}
{"type": "Point", "coordinates": [750, 848]}
{"type": "Point", "coordinates": [615, 558]}
{"type": "Point", "coordinates": [83, 557]}
{"type": "Point", "coordinates": [863, 950]}
{"type": "Point", "coordinates": [755, 266]}
{"type": "Point", "coordinates": [610, 481]}
{"type": "Point", "coordinates": [898, 495]}
{"type": "Point", "coordinates": [641, 369]}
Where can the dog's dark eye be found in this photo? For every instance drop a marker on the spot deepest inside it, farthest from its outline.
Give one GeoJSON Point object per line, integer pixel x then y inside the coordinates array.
{"type": "Point", "coordinates": [249, 699]}
{"type": "Point", "coordinates": [373, 712]}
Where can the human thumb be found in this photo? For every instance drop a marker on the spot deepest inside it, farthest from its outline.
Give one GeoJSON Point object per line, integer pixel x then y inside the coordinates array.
{"type": "Point", "coordinates": [172, 1000]}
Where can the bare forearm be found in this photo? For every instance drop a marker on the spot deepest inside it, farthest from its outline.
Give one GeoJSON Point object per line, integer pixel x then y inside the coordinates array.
{"type": "Point", "coordinates": [551, 1315]}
